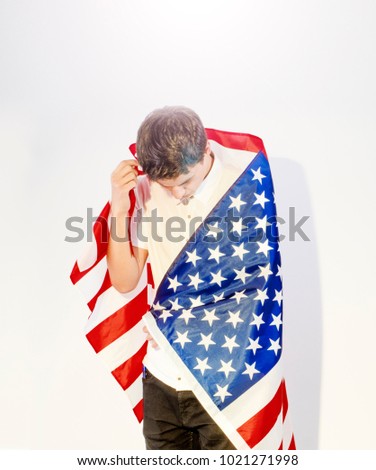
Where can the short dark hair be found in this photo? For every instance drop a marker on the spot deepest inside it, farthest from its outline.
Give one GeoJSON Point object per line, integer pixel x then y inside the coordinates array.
{"type": "Point", "coordinates": [169, 141]}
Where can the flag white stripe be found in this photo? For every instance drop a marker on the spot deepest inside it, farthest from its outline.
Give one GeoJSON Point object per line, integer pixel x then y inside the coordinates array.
{"type": "Point", "coordinates": [273, 439]}
{"type": "Point", "coordinates": [124, 347]}
{"type": "Point", "coordinates": [90, 284]}
{"type": "Point", "coordinates": [89, 256]}
{"type": "Point", "coordinates": [134, 391]}
{"type": "Point", "coordinates": [111, 300]}
{"type": "Point", "coordinates": [255, 398]}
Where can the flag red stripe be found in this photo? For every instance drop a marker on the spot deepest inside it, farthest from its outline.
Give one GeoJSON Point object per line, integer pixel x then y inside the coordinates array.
{"type": "Point", "coordinates": [128, 372]}
{"type": "Point", "coordinates": [256, 428]}
{"type": "Point", "coordinates": [139, 410]}
{"type": "Point", "coordinates": [118, 323]}
{"type": "Point", "coordinates": [101, 235]}
{"type": "Point", "coordinates": [292, 445]}
{"type": "Point", "coordinates": [237, 140]}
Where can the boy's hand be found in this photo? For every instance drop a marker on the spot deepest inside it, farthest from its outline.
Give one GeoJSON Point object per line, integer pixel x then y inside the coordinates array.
{"type": "Point", "coordinates": [150, 338]}
{"type": "Point", "coordinates": [123, 180]}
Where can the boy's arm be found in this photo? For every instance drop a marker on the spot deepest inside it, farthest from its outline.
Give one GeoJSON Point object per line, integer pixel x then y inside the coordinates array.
{"type": "Point", "coordinates": [125, 262]}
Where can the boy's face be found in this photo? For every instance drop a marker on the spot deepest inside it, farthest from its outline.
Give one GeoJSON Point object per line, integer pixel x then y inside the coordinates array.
{"type": "Point", "coordinates": [184, 186]}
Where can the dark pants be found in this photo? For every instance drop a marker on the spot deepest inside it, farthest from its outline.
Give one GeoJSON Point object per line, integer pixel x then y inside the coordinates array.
{"type": "Point", "coordinates": [176, 420]}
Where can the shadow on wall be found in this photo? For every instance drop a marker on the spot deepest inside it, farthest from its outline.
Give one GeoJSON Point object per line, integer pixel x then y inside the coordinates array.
{"type": "Point", "coordinates": [302, 300]}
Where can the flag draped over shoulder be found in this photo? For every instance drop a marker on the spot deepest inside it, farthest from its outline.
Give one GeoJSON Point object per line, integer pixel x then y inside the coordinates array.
{"type": "Point", "coordinates": [218, 310]}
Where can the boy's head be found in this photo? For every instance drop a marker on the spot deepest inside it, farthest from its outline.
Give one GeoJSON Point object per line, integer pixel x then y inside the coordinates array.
{"type": "Point", "coordinates": [170, 141]}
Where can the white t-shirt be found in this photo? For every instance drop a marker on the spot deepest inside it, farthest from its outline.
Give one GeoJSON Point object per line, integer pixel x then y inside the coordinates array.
{"type": "Point", "coordinates": [164, 229]}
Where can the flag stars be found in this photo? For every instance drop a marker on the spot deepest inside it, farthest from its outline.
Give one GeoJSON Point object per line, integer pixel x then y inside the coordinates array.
{"type": "Point", "coordinates": [236, 202]}
{"type": "Point", "coordinates": [192, 257]}
{"type": "Point", "coordinates": [261, 296]}
{"type": "Point", "coordinates": [239, 251]}
{"type": "Point", "coordinates": [277, 322]}
{"type": "Point", "coordinates": [274, 345]}
{"type": "Point", "coordinates": [210, 316]}
{"type": "Point", "coordinates": [226, 368]}
{"type": "Point", "coordinates": [261, 199]}
{"type": "Point", "coordinates": [174, 283]}
{"type": "Point", "coordinates": [206, 341]}
{"type": "Point", "coordinates": [237, 226]}
{"type": "Point", "coordinates": [264, 247]}
{"type": "Point", "coordinates": [218, 298]}
{"type": "Point", "coordinates": [257, 175]}
{"type": "Point", "coordinates": [186, 315]}
{"type": "Point", "coordinates": [164, 315]}
{"type": "Point", "coordinates": [262, 223]}
{"type": "Point", "coordinates": [250, 370]}
{"type": "Point", "coordinates": [234, 318]}
{"type": "Point", "coordinates": [222, 392]}
{"type": "Point", "coordinates": [202, 365]}
{"type": "Point", "coordinates": [196, 301]}
{"type": "Point", "coordinates": [238, 296]}
{"type": "Point", "coordinates": [230, 343]}
{"type": "Point", "coordinates": [175, 304]}
{"type": "Point", "coordinates": [241, 274]}
{"type": "Point", "coordinates": [278, 296]}
{"type": "Point", "coordinates": [213, 230]}
{"type": "Point", "coordinates": [257, 320]}
{"type": "Point", "coordinates": [254, 345]}
{"type": "Point", "coordinates": [265, 271]}
{"type": "Point", "coordinates": [182, 339]}
{"type": "Point", "coordinates": [217, 278]}
{"type": "Point", "coordinates": [215, 254]}
{"type": "Point", "coordinates": [195, 280]}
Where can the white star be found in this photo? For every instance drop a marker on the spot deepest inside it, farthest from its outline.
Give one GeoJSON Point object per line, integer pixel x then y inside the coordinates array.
{"type": "Point", "coordinates": [239, 295]}
{"type": "Point", "coordinates": [230, 343]}
{"type": "Point", "coordinates": [202, 365]}
{"type": "Point", "coordinates": [274, 346]}
{"type": "Point", "coordinates": [279, 271]}
{"type": "Point", "coordinates": [261, 199]}
{"type": "Point", "coordinates": [257, 175]}
{"type": "Point", "coordinates": [242, 275]}
{"type": "Point", "coordinates": [217, 278]}
{"type": "Point", "coordinates": [192, 257]}
{"type": "Point", "coordinates": [236, 202]}
{"type": "Point", "coordinates": [250, 370]}
{"type": "Point", "coordinates": [234, 318]}
{"type": "Point", "coordinates": [226, 368]}
{"type": "Point", "coordinates": [175, 304]}
{"type": "Point", "coordinates": [277, 322]}
{"type": "Point", "coordinates": [278, 296]}
{"type": "Point", "coordinates": [254, 344]}
{"type": "Point", "coordinates": [213, 230]}
{"type": "Point", "coordinates": [195, 280]}
{"type": "Point", "coordinates": [186, 315]}
{"type": "Point", "coordinates": [196, 302]}
{"type": "Point", "coordinates": [210, 316]}
{"type": "Point", "coordinates": [239, 251]}
{"type": "Point", "coordinates": [222, 392]}
{"type": "Point", "coordinates": [157, 306]}
{"type": "Point", "coordinates": [264, 247]}
{"type": "Point", "coordinates": [258, 321]}
{"type": "Point", "coordinates": [265, 271]}
{"type": "Point", "coordinates": [164, 315]}
{"type": "Point", "coordinates": [261, 295]}
{"type": "Point", "coordinates": [262, 223]}
{"type": "Point", "coordinates": [174, 283]}
{"type": "Point", "coordinates": [237, 226]}
{"type": "Point", "coordinates": [215, 254]}
{"type": "Point", "coordinates": [182, 339]}
{"type": "Point", "coordinates": [206, 341]}
{"type": "Point", "coordinates": [218, 298]}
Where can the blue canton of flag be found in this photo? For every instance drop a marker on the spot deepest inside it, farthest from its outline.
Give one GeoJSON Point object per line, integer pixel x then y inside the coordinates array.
{"type": "Point", "coordinates": [220, 303]}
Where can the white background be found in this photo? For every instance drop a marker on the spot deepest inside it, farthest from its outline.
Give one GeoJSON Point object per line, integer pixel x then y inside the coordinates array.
{"type": "Point", "coordinates": [76, 79]}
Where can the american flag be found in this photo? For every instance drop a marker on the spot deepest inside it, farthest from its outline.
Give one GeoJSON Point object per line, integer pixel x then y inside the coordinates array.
{"type": "Point", "coordinates": [218, 310]}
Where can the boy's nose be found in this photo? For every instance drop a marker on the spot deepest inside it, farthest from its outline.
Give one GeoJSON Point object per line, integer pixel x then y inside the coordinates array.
{"type": "Point", "coordinates": [177, 191]}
